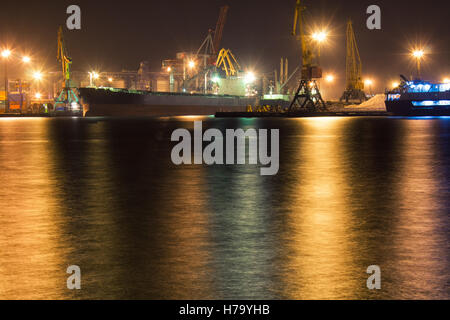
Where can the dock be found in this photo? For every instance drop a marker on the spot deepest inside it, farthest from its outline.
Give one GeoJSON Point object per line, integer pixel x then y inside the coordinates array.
{"type": "Point", "coordinates": [303, 114]}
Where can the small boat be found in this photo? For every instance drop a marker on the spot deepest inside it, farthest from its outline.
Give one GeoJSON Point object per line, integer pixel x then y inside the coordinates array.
{"type": "Point", "coordinates": [419, 98]}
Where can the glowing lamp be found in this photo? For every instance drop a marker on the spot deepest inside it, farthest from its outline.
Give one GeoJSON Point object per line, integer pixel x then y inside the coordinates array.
{"type": "Point", "coordinates": [6, 53]}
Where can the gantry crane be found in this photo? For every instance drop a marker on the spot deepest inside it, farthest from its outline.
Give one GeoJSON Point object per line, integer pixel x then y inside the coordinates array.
{"type": "Point", "coordinates": [219, 28]}
{"type": "Point", "coordinates": [307, 96]}
{"type": "Point", "coordinates": [227, 62]}
{"type": "Point", "coordinates": [213, 57]}
{"type": "Point", "coordinates": [68, 100]}
{"type": "Point", "coordinates": [211, 44]}
{"type": "Point", "coordinates": [354, 84]}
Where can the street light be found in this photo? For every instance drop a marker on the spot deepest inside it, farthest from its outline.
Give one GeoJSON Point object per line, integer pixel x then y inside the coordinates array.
{"type": "Point", "coordinates": [249, 77]}
{"type": "Point", "coordinates": [395, 84]}
{"type": "Point", "coordinates": [26, 59]}
{"type": "Point", "coordinates": [329, 78]}
{"type": "Point", "coordinates": [93, 76]}
{"type": "Point", "coordinates": [191, 64]}
{"type": "Point", "coordinates": [418, 54]}
{"type": "Point", "coordinates": [37, 75]}
{"type": "Point", "coordinates": [5, 54]}
{"type": "Point", "coordinates": [369, 83]}
{"type": "Point", "coordinates": [320, 37]}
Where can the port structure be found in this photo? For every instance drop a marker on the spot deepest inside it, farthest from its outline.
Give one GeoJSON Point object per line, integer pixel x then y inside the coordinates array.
{"type": "Point", "coordinates": [307, 96]}
{"type": "Point", "coordinates": [354, 85]}
{"type": "Point", "coordinates": [68, 100]}
{"type": "Point", "coordinates": [208, 55]}
{"type": "Point", "coordinates": [210, 46]}
{"type": "Point", "coordinates": [227, 62]}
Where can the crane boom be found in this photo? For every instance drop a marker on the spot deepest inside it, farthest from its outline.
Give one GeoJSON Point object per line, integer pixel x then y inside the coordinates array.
{"type": "Point", "coordinates": [354, 84]}
{"type": "Point", "coordinates": [353, 61]}
{"type": "Point", "coordinates": [228, 62]}
{"type": "Point", "coordinates": [219, 28]}
{"type": "Point", "coordinates": [307, 54]}
{"type": "Point", "coordinates": [307, 95]}
{"type": "Point", "coordinates": [63, 58]}
{"type": "Point", "coordinates": [68, 100]}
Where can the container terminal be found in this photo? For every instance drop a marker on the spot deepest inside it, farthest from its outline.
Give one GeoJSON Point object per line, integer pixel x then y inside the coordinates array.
{"type": "Point", "coordinates": [211, 81]}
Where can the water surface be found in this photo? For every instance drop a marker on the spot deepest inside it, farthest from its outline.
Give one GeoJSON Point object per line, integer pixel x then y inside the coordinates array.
{"type": "Point", "coordinates": [103, 194]}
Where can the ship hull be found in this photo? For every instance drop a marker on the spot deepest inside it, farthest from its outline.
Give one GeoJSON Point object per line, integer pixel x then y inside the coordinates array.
{"type": "Point", "coordinates": [117, 103]}
{"type": "Point", "coordinates": [419, 104]}
{"type": "Point", "coordinates": [406, 108]}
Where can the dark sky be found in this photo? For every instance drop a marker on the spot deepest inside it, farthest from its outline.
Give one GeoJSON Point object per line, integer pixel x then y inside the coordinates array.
{"type": "Point", "coordinates": [118, 35]}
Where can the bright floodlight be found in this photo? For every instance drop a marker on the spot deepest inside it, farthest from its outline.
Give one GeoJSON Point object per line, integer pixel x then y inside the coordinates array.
{"type": "Point", "coordinates": [395, 84]}
{"type": "Point", "coordinates": [169, 69]}
{"type": "Point", "coordinates": [320, 36]}
{"type": "Point", "coordinates": [6, 53]}
{"type": "Point", "coordinates": [26, 59]}
{"type": "Point", "coordinates": [37, 95]}
{"type": "Point", "coordinates": [368, 82]}
{"type": "Point", "coordinates": [110, 79]}
{"type": "Point", "coordinates": [446, 80]}
{"type": "Point", "coordinates": [250, 77]}
{"type": "Point", "coordinates": [329, 78]}
{"type": "Point", "coordinates": [418, 54]}
{"type": "Point", "coordinates": [37, 75]}
{"type": "Point", "coordinates": [191, 64]}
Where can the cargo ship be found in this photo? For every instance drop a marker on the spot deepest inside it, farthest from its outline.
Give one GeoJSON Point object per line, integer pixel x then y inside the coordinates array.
{"type": "Point", "coordinates": [419, 98]}
{"type": "Point", "coordinates": [121, 102]}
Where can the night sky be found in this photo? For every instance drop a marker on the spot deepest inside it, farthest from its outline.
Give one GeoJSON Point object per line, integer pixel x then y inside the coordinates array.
{"type": "Point", "coordinates": [117, 35]}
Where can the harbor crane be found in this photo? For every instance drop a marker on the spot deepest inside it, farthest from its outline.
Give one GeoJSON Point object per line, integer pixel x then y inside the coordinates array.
{"type": "Point", "coordinates": [227, 62]}
{"type": "Point", "coordinates": [67, 100]}
{"type": "Point", "coordinates": [354, 84]}
{"type": "Point", "coordinates": [219, 28]}
{"type": "Point", "coordinates": [211, 45]}
{"type": "Point", "coordinates": [213, 57]}
{"type": "Point", "coordinates": [307, 96]}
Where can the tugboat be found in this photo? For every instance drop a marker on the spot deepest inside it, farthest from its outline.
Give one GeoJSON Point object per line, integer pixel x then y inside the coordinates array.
{"type": "Point", "coordinates": [419, 98]}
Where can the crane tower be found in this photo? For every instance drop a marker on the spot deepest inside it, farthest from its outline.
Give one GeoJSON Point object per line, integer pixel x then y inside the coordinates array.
{"type": "Point", "coordinates": [354, 84]}
{"type": "Point", "coordinates": [67, 101]}
{"type": "Point", "coordinates": [307, 96]}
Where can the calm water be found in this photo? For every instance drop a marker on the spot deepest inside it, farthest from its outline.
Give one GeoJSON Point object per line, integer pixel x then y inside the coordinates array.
{"type": "Point", "coordinates": [103, 194]}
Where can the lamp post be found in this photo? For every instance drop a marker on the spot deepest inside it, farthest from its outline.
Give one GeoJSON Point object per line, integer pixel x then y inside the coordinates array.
{"type": "Point", "coordinates": [37, 77]}
{"type": "Point", "coordinates": [25, 60]}
{"type": "Point", "coordinates": [5, 54]}
{"type": "Point", "coordinates": [320, 37]}
{"type": "Point", "coordinates": [92, 77]}
{"type": "Point", "coordinates": [206, 81]}
{"type": "Point", "coordinates": [369, 83]}
{"type": "Point", "coordinates": [418, 55]}
{"type": "Point", "coordinates": [329, 78]}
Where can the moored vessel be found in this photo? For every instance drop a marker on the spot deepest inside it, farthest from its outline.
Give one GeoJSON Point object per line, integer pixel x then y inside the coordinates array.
{"type": "Point", "coordinates": [121, 102]}
{"type": "Point", "coordinates": [419, 98]}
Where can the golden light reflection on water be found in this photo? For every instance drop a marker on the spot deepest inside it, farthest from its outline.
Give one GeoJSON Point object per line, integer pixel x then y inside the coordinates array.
{"type": "Point", "coordinates": [103, 196]}
{"type": "Point", "coordinates": [318, 240]}
{"type": "Point", "coordinates": [420, 246]}
{"type": "Point", "coordinates": [30, 232]}
{"type": "Point", "coordinates": [187, 258]}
